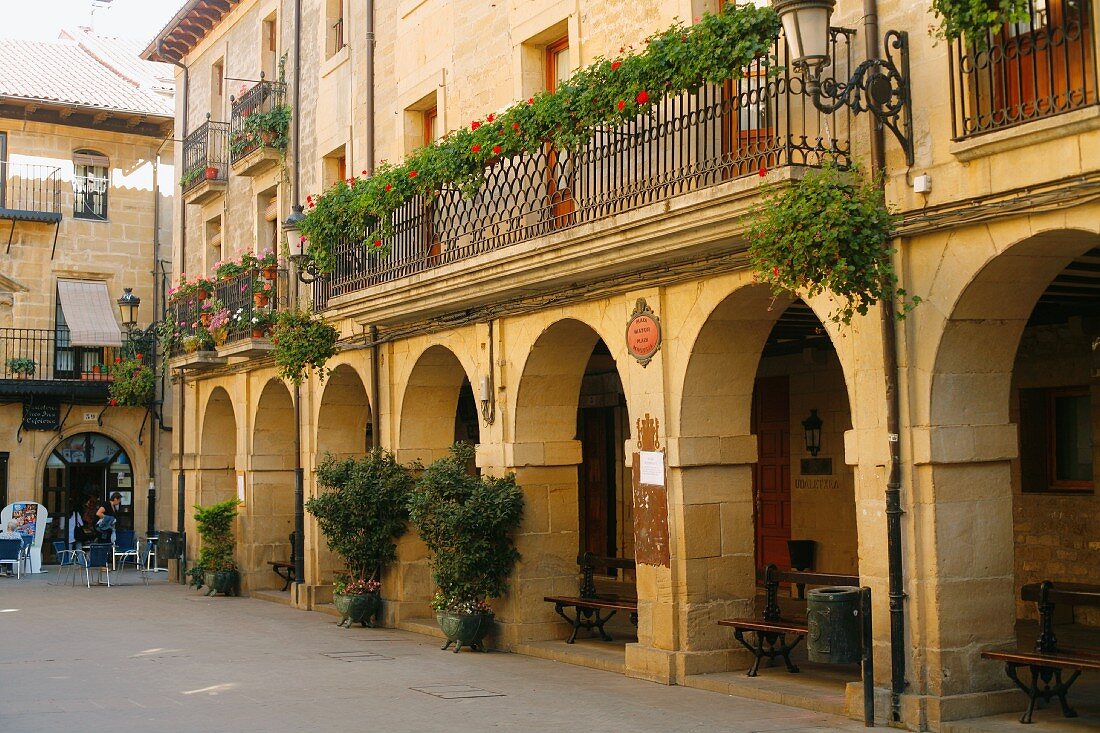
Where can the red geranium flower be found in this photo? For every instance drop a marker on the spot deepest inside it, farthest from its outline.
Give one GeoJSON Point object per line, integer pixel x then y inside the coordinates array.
{"type": "Point", "coordinates": [615, 65]}
{"type": "Point", "coordinates": [621, 105]}
{"type": "Point", "coordinates": [475, 148]}
{"type": "Point", "coordinates": [118, 360]}
{"type": "Point", "coordinates": [378, 243]}
{"type": "Point", "coordinates": [775, 271]}
{"type": "Point", "coordinates": [364, 173]}
{"type": "Point", "coordinates": [309, 199]}
{"type": "Point", "coordinates": [491, 117]}
{"type": "Point", "coordinates": [388, 187]}
{"type": "Point", "coordinates": [112, 403]}
{"type": "Point", "coordinates": [643, 97]}
{"type": "Point", "coordinates": [139, 356]}
{"type": "Point", "coordinates": [530, 100]}
{"type": "Point", "coordinates": [763, 171]}
{"type": "Point", "coordinates": [515, 126]}
{"type": "Point", "coordinates": [496, 150]}
{"type": "Point", "coordinates": [474, 125]}
{"type": "Point", "coordinates": [412, 174]}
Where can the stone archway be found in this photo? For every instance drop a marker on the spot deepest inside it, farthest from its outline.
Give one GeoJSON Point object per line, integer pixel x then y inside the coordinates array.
{"type": "Point", "coordinates": [427, 427]}
{"type": "Point", "coordinates": [267, 519]}
{"type": "Point", "coordinates": [217, 459]}
{"type": "Point", "coordinates": [749, 339]}
{"type": "Point", "coordinates": [968, 457]}
{"type": "Point", "coordinates": [343, 430]}
{"type": "Point", "coordinates": [553, 445]}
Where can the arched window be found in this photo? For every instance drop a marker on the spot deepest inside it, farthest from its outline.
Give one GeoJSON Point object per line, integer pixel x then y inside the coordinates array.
{"type": "Point", "coordinates": [91, 179]}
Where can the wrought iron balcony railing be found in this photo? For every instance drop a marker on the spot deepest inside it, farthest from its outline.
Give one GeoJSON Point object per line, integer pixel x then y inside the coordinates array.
{"type": "Point", "coordinates": [30, 192]}
{"type": "Point", "coordinates": [688, 142]}
{"type": "Point", "coordinates": [235, 301]}
{"type": "Point", "coordinates": [206, 155]}
{"type": "Point", "coordinates": [1026, 71]}
{"type": "Point", "coordinates": [262, 98]}
{"type": "Point", "coordinates": [49, 355]}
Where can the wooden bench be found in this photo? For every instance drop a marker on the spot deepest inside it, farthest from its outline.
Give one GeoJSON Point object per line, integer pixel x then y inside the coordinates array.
{"type": "Point", "coordinates": [286, 569]}
{"type": "Point", "coordinates": [770, 632]}
{"type": "Point", "coordinates": [592, 610]}
{"type": "Point", "coordinates": [1047, 661]}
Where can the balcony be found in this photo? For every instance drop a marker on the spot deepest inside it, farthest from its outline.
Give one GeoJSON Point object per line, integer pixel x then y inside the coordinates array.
{"type": "Point", "coordinates": [258, 128]}
{"type": "Point", "coordinates": [29, 193]}
{"type": "Point", "coordinates": [205, 343]}
{"type": "Point", "coordinates": [1027, 71]}
{"type": "Point", "coordinates": [693, 151]}
{"type": "Point", "coordinates": [205, 163]}
{"type": "Point", "coordinates": [43, 362]}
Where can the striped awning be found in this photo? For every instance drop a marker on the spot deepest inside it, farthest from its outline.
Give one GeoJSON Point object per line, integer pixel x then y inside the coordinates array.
{"type": "Point", "coordinates": [89, 313]}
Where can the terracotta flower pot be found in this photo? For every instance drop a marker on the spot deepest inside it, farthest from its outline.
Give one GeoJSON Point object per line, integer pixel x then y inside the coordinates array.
{"type": "Point", "coordinates": [260, 299]}
{"type": "Point", "coordinates": [267, 136]}
{"type": "Point", "coordinates": [271, 271]}
{"type": "Point", "coordinates": [201, 294]}
{"type": "Point", "coordinates": [211, 172]}
{"type": "Point", "coordinates": [204, 318]}
{"type": "Point", "coordinates": [258, 333]}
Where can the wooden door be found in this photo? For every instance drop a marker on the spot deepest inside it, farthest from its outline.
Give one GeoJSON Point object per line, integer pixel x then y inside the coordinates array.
{"type": "Point", "coordinates": [771, 422]}
{"type": "Point", "coordinates": [597, 480]}
{"type": "Point", "coordinates": [559, 165]}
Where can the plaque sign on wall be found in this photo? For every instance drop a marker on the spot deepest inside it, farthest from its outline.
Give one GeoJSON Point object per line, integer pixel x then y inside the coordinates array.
{"type": "Point", "coordinates": [643, 333]}
{"type": "Point", "coordinates": [651, 543]}
{"type": "Point", "coordinates": [41, 415]}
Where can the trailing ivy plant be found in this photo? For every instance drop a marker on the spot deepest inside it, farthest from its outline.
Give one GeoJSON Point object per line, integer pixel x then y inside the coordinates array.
{"type": "Point", "coordinates": [828, 232]}
{"type": "Point", "coordinates": [362, 509]}
{"type": "Point", "coordinates": [608, 92]}
{"type": "Point", "coordinates": [302, 342]}
{"type": "Point", "coordinates": [467, 523]}
{"type": "Point", "coordinates": [133, 381]}
{"type": "Point", "coordinates": [974, 19]}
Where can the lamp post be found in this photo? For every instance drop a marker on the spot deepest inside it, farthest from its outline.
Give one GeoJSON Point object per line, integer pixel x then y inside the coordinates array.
{"type": "Point", "coordinates": [128, 309]}
{"type": "Point", "coordinates": [812, 427]}
{"type": "Point", "coordinates": [878, 85]}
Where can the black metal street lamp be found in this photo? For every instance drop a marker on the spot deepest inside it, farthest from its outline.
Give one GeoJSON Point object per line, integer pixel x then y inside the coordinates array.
{"type": "Point", "coordinates": [296, 245]}
{"type": "Point", "coordinates": [812, 427]}
{"type": "Point", "coordinates": [128, 309]}
{"type": "Point", "coordinates": [877, 85]}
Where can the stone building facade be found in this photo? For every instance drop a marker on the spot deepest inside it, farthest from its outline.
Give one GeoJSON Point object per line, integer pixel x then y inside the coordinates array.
{"type": "Point", "coordinates": [532, 300]}
{"type": "Point", "coordinates": [86, 186]}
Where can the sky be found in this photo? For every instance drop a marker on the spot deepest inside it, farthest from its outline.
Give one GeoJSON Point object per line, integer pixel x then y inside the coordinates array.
{"type": "Point", "coordinates": [41, 20]}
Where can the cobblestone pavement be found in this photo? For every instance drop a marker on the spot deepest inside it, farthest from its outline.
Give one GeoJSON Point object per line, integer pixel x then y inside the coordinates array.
{"type": "Point", "coordinates": [164, 658]}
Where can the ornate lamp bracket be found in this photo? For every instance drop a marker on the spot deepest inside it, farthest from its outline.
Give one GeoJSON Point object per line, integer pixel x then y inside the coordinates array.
{"type": "Point", "coordinates": [878, 86]}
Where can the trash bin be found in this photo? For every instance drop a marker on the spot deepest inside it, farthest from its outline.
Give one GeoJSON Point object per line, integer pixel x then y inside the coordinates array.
{"type": "Point", "coordinates": [169, 547]}
{"type": "Point", "coordinates": [834, 625]}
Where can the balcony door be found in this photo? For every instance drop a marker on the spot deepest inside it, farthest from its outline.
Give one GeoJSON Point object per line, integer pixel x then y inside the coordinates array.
{"type": "Point", "coordinates": [75, 362]}
{"type": "Point", "coordinates": [559, 164]}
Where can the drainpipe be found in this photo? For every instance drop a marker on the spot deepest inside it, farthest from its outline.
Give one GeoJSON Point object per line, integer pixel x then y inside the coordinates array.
{"type": "Point", "coordinates": [888, 324]}
{"type": "Point", "coordinates": [151, 498]}
{"type": "Point", "coordinates": [181, 481]}
{"type": "Point", "coordinates": [368, 105]}
{"type": "Point", "coordinates": [375, 438]}
{"type": "Point", "coordinates": [295, 194]}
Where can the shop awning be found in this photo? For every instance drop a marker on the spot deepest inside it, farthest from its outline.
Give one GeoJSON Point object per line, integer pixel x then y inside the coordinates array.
{"type": "Point", "coordinates": [89, 313]}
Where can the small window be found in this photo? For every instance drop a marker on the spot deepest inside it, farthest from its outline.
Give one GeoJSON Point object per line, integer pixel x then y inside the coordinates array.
{"type": "Point", "coordinates": [334, 21]}
{"type": "Point", "coordinates": [217, 90]}
{"type": "Point", "coordinates": [431, 119]}
{"type": "Point", "coordinates": [90, 184]}
{"type": "Point", "coordinates": [1056, 439]}
{"type": "Point", "coordinates": [269, 50]}
{"type": "Point", "coordinates": [557, 63]}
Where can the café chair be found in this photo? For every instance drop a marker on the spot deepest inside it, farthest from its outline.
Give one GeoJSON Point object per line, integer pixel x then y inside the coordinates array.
{"type": "Point", "coordinates": [96, 556]}
{"type": "Point", "coordinates": [11, 553]}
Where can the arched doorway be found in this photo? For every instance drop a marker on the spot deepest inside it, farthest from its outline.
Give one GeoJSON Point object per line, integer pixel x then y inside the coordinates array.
{"type": "Point", "coordinates": [267, 519]}
{"type": "Point", "coordinates": [217, 461]}
{"type": "Point", "coordinates": [81, 471]}
{"type": "Point", "coordinates": [571, 425]}
{"type": "Point", "coordinates": [1012, 457]}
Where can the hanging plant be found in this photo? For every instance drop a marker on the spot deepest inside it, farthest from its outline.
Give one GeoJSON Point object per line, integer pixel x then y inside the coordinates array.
{"type": "Point", "coordinates": [132, 381]}
{"type": "Point", "coordinates": [828, 233]}
{"type": "Point", "coordinates": [609, 92]}
{"type": "Point", "coordinates": [302, 342]}
{"type": "Point", "coordinates": [975, 19]}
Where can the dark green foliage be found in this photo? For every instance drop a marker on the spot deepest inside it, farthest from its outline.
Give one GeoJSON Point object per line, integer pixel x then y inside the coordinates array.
{"type": "Point", "coordinates": [302, 342]}
{"type": "Point", "coordinates": [828, 232]}
{"type": "Point", "coordinates": [973, 19]}
{"type": "Point", "coordinates": [467, 523]}
{"type": "Point", "coordinates": [363, 508]}
{"type": "Point", "coordinates": [215, 526]}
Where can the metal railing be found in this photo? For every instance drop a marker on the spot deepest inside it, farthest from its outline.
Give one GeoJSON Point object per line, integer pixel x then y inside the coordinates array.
{"type": "Point", "coordinates": [31, 191]}
{"type": "Point", "coordinates": [238, 299]}
{"type": "Point", "coordinates": [337, 37]}
{"type": "Point", "coordinates": [1026, 71]}
{"type": "Point", "coordinates": [48, 354]}
{"type": "Point", "coordinates": [206, 154]}
{"type": "Point", "coordinates": [264, 96]}
{"type": "Point", "coordinates": [687, 142]}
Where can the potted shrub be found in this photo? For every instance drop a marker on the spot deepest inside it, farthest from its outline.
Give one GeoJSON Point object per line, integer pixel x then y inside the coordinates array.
{"type": "Point", "coordinates": [189, 177]}
{"type": "Point", "coordinates": [362, 510]}
{"type": "Point", "coordinates": [302, 342]}
{"type": "Point", "coordinates": [268, 262]}
{"type": "Point", "coordinates": [261, 322]}
{"type": "Point", "coordinates": [216, 563]}
{"type": "Point", "coordinates": [132, 381]}
{"type": "Point", "coordinates": [22, 367]}
{"type": "Point", "coordinates": [467, 523]}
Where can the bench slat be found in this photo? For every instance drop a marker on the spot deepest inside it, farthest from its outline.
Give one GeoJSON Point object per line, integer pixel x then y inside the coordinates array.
{"type": "Point", "coordinates": [608, 602]}
{"type": "Point", "coordinates": [1075, 594]}
{"type": "Point", "coordinates": [1070, 658]}
{"type": "Point", "coordinates": [784, 626]}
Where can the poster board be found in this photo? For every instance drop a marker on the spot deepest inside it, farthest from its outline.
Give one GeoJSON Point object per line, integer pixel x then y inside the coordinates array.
{"type": "Point", "coordinates": [32, 519]}
{"type": "Point", "coordinates": [651, 541]}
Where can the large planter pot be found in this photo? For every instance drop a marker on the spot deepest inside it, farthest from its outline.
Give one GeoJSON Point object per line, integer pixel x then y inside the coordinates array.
{"type": "Point", "coordinates": [358, 609]}
{"type": "Point", "coordinates": [465, 629]}
{"type": "Point", "coordinates": [226, 582]}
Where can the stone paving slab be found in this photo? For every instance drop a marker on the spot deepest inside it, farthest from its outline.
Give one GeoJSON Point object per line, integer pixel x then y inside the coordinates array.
{"type": "Point", "coordinates": [163, 658]}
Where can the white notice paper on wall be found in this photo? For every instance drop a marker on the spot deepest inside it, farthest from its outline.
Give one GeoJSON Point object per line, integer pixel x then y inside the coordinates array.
{"type": "Point", "coordinates": [240, 487]}
{"type": "Point", "coordinates": [651, 468]}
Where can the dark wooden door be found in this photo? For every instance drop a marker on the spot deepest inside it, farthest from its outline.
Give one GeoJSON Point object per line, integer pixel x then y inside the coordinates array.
{"type": "Point", "coordinates": [772, 473]}
{"type": "Point", "coordinates": [597, 480]}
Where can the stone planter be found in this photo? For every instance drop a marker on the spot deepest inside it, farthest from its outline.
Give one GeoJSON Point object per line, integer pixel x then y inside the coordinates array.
{"type": "Point", "coordinates": [465, 629]}
{"type": "Point", "coordinates": [357, 609]}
